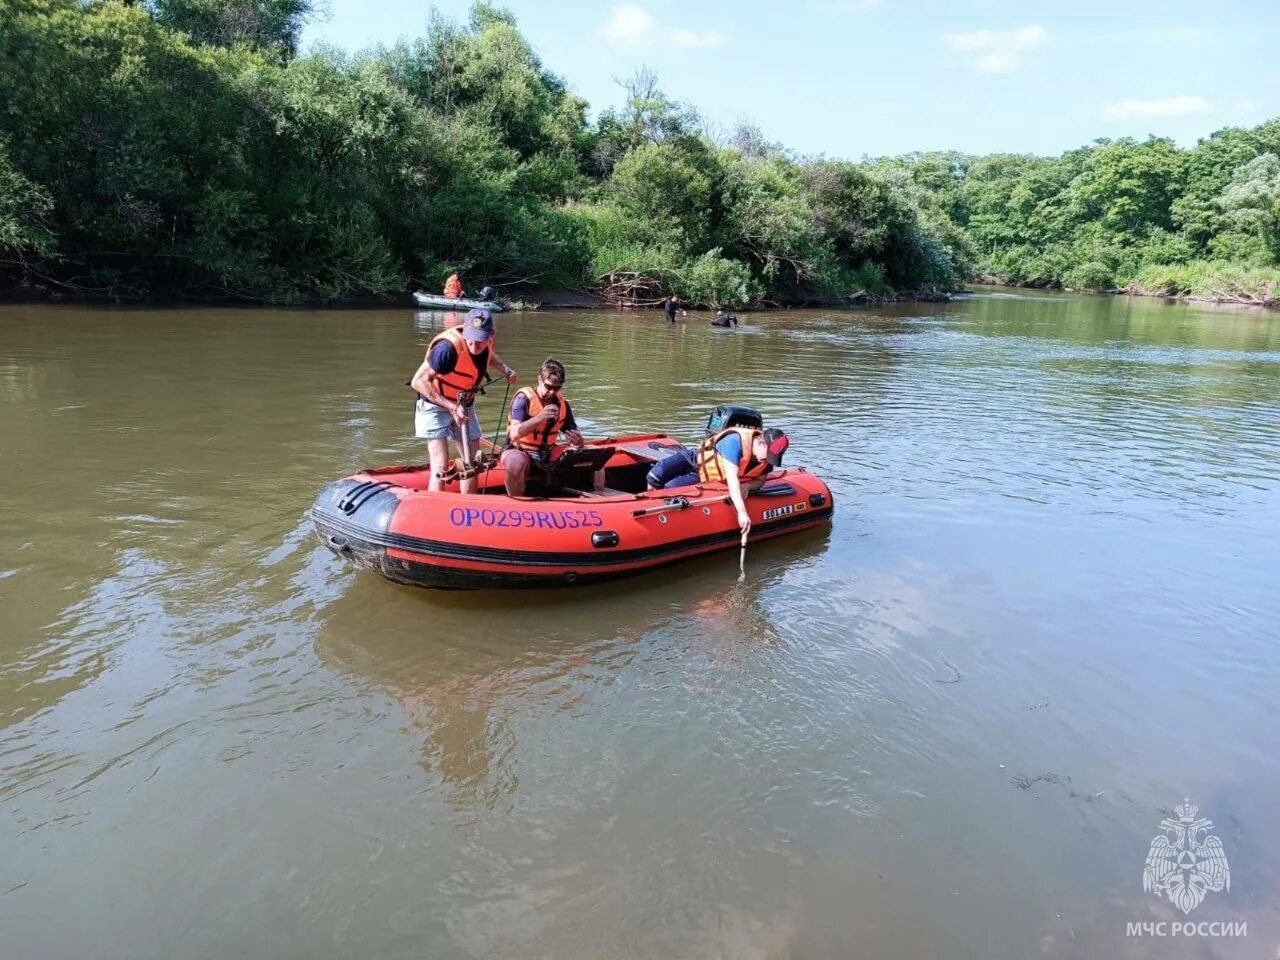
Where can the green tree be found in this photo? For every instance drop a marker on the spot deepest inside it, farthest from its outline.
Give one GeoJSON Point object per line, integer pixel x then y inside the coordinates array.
{"type": "Point", "coordinates": [665, 190]}
{"type": "Point", "coordinates": [647, 116]}
{"type": "Point", "coordinates": [1197, 213]}
{"type": "Point", "coordinates": [1129, 186]}
{"type": "Point", "coordinates": [270, 24]}
{"type": "Point", "coordinates": [183, 148]}
{"type": "Point", "coordinates": [24, 214]}
{"type": "Point", "coordinates": [768, 222]}
{"type": "Point", "coordinates": [1251, 202]}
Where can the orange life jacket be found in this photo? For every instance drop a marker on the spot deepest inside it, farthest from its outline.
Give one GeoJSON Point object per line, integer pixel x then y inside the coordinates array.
{"type": "Point", "coordinates": [543, 436]}
{"type": "Point", "coordinates": [468, 372]}
{"type": "Point", "coordinates": [712, 466]}
{"type": "Point", "coordinates": [453, 286]}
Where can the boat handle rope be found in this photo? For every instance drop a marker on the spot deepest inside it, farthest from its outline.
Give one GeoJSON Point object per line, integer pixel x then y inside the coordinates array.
{"type": "Point", "coordinates": [679, 503]}
{"type": "Point", "coordinates": [501, 411]}
{"type": "Point", "coordinates": [684, 503]}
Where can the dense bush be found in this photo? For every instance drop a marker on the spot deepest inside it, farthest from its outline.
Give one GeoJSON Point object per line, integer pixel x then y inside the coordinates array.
{"type": "Point", "coordinates": [184, 148]}
{"type": "Point", "coordinates": [24, 208]}
{"type": "Point", "coordinates": [1229, 281]}
{"type": "Point", "coordinates": [1099, 216]}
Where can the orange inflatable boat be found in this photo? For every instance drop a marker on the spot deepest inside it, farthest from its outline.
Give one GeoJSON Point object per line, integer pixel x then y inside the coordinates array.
{"type": "Point", "coordinates": [385, 520]}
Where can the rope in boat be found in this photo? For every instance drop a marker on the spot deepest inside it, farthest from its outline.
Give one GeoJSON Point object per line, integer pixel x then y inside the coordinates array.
{"type": "Point", "coordinates": [497, 427]}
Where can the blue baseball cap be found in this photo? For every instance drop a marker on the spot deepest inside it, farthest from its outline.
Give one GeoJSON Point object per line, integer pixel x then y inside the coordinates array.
{"type": "Point", "coordinates": [478, 325]}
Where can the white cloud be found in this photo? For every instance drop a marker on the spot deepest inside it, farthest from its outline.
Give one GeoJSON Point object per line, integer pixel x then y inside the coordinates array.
{"type": "Point", "coordinates": [1157, 109]}
{"type": "Point", "coordinates": [698, 41]}
{"type": "Point", "coordinates": [629, 24]}
{"type": "Point", "coordinates": [634, 26]}
{"type": "Point", "coordinates": [998, 51]}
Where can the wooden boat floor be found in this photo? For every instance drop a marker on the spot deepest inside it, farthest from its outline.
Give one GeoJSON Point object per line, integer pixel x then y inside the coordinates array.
{"type": "Point", "coordinates": [646, 452]}
{"type": "Point", "coordinates": [604, 492]}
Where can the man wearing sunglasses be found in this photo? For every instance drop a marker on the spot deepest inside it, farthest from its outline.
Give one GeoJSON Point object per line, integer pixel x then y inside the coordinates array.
{"type": "Point", "coordinates": [539, 416]}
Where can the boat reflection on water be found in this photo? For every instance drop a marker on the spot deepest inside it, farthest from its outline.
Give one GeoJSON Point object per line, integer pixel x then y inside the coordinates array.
{"type": "Point", "coordinates": [465, 687]}
{"type": "Point", "coordinates": [434, 321]}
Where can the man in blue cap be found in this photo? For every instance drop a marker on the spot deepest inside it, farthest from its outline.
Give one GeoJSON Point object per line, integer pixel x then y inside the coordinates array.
{"type": "Point", "coordinates": [452, 372]}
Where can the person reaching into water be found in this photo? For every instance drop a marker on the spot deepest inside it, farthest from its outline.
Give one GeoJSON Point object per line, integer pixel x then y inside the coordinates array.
{"type": "Point", "coordinates": [539, 416]}
{"type": "Point", "coordinates": [724, 319]}
{"type": "Point", "coordinates": [453, 370]}
{"type": "Point", "coordinates": [739, 457]}
{"type": "Point", "coordinates": [672, 306]}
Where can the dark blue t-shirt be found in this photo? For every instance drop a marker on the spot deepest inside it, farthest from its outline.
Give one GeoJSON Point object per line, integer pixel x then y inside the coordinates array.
{"type": "Point", "coordinates": [443, 358]}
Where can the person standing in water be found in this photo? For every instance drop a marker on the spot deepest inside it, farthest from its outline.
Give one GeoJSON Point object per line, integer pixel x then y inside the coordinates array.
{"type": "Point", "coordinates": [672, 306]}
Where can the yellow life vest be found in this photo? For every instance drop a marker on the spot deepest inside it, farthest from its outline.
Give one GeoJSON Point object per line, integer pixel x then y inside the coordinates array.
{"type": "Point", "coordinates": [712, 466]}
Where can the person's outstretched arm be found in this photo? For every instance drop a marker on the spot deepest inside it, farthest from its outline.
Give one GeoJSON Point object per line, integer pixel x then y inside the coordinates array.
{"type": "Point", "coordinates": [739, 500]}
{"type": "Point", "coordinates": [508, 371]}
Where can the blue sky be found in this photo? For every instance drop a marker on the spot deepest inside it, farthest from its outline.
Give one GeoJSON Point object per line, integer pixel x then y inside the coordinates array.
{"type": "Point", "coordinates": [852, 77]}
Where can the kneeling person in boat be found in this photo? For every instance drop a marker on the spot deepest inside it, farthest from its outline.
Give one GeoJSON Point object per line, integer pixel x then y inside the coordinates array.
{"type": "Point", "coordinates": [454, 368]}
{"type": "Point", "coordinates": [738, 457]}
{"type": "Point", "coordinates": [539, 416]}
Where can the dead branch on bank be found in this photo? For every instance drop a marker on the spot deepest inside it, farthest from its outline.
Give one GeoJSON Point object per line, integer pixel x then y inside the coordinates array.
{"type": "Point", "coordinates": [629, 288]}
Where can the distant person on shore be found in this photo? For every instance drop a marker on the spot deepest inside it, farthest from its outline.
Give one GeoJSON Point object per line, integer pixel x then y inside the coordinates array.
{"type": "Point", "coordinates": [539, 416]}
{"type": "Point", "coordinates": [452, 372]}
{"type": "Point", "coordinates": [453, 287]}
{"type": "Point", "coordinates": [724, 319]}
{"type": "Point", "coordinates": [672, 306]}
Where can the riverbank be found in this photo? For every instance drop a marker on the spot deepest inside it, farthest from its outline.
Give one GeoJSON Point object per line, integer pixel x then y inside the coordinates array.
{"type": "Point", "coordinates": [1238, 286]}
{"type": "Point", "coordinates": [566, 299]}
{"type": "Point", "coordinates": [1196, 282]}
{"type": "Point", "coordinates": [516, 299]}
{"type": "Point", "coordinates": [1209, 282]}
{"type": "Point", "coordinates": [1248, 287]}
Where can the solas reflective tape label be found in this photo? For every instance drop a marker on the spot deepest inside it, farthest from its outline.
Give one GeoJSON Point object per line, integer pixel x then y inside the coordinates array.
{"type": "Point", "coordinates": [779, 511]}
{"type": "Point", "coordinates": [526, 519]}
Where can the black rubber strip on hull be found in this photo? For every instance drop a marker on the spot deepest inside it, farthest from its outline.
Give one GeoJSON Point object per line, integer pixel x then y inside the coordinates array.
{"type": "Point", "coordinates": [329, 525]}
{"type": "Point", "coordinates": [346, 540]}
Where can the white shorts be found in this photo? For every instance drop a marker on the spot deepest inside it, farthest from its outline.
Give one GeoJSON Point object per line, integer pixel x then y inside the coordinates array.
{"type": "Point", "coordinates": [431, 422]}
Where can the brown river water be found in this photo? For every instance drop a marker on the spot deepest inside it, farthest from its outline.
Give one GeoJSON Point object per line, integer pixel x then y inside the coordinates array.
{"type": "Point", "coordinates": [1048, 609]}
